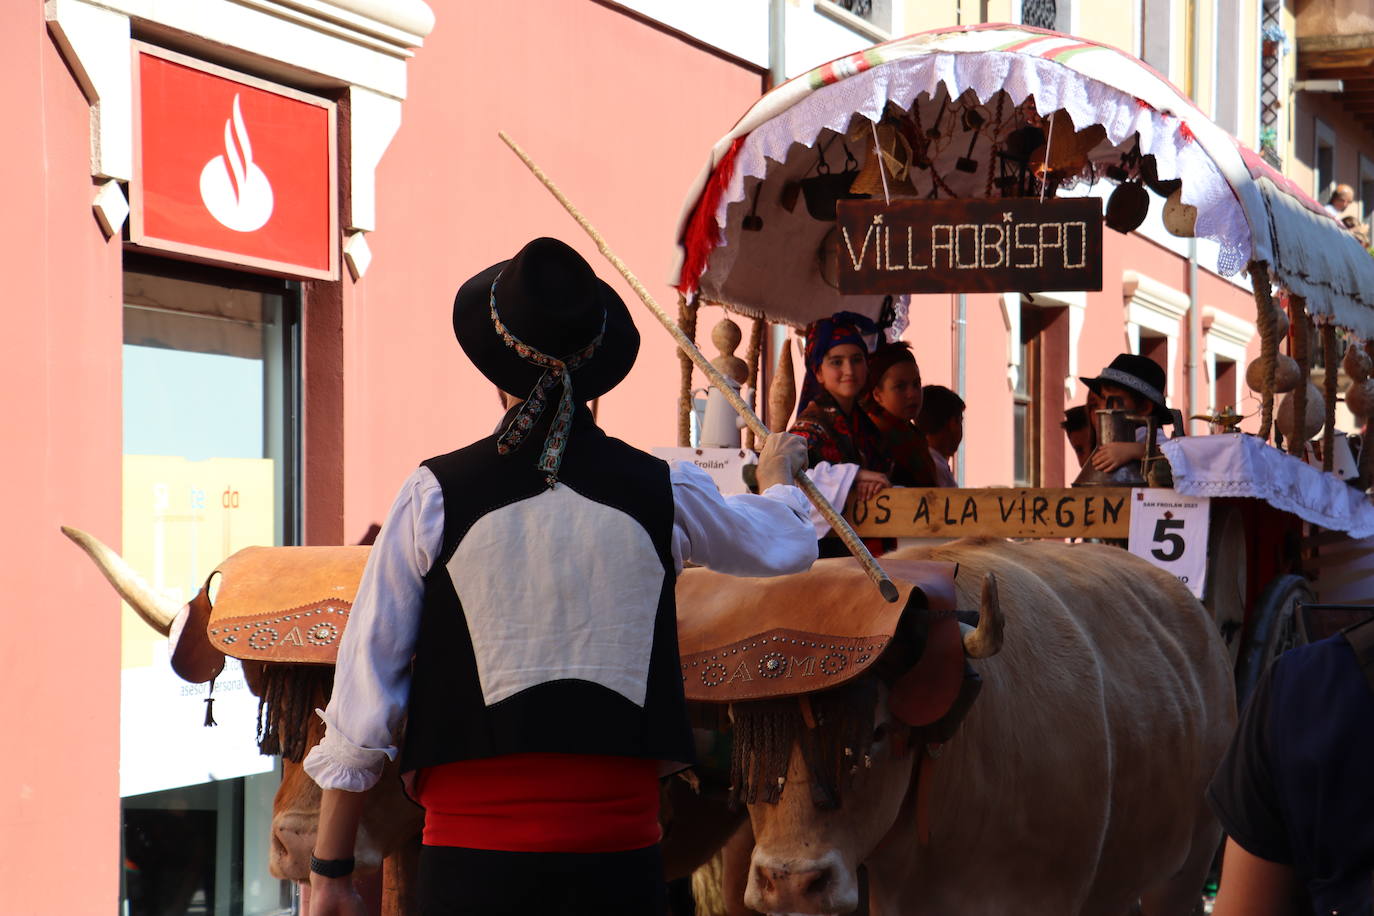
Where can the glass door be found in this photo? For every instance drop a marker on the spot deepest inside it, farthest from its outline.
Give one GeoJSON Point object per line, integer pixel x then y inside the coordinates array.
{"type": "Point", "coordinates": [211, 445]}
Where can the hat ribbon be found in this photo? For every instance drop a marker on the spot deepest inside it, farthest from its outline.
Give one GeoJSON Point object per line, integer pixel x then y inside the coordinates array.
{"type": "Point", "coordinates": [1135, 383]}
{"type": "Point", "coordinates": [557, 373]}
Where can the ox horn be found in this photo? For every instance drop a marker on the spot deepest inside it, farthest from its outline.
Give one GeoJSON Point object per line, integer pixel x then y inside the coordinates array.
{"type": "Point", "coordinates": [986, 641]}
{"type": "Point", "coordinates": [156, 611]}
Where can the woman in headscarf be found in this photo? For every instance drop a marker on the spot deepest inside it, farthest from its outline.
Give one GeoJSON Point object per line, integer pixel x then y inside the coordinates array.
{"type": "Point", "coordinates": [893, 402]}
{"type": "Point", "coordinates": [844, 450]}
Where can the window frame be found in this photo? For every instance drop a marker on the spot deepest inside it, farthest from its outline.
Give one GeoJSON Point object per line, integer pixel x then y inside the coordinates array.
{"type": "Point", "coordinates": [1322, 137]}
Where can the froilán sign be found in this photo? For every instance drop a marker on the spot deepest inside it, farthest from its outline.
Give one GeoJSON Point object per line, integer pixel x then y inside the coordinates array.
{"type": "Point", "coordinates": [969, 245]}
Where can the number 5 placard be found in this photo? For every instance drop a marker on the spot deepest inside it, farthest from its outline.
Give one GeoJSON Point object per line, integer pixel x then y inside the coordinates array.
{"type": "Point", "coordinates": [1170, 530]}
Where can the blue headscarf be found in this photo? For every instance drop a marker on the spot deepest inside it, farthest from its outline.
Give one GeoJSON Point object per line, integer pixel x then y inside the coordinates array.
{"type": "Point", "coordinates": [825, 335]}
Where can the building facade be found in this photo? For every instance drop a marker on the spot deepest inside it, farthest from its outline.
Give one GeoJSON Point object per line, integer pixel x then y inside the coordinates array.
{"type": "Point", "coordinates": [180, 385]}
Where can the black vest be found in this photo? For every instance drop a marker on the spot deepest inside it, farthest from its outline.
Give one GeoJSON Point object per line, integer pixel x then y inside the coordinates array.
{"type": "Point", "coordinates": [534, 664]}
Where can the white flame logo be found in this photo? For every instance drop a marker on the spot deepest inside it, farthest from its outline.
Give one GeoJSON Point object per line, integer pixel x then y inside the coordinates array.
{"type": "Point", "coordinates": [236, 192]}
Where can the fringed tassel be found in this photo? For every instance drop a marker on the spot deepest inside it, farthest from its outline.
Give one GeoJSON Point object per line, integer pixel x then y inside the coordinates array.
{"type": "Point", "coordinates": [840, 744]}
{"type": "Point", "coordinates": [210, 706]}
{"type": "Point", "coordinates": [286, 704]}
{"type": "Point", "coordinates": [765, 731]}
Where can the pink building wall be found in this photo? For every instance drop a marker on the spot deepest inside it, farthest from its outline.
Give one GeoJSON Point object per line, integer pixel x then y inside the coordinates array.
{"type": "Point", "coordinates": [60, 378]}
{"type": "Point", "coordinates": [621, 116]}
{"type": "Point", "coordinates": [988, 427]}
{"type": "Point", "coordinates": [623, 129]}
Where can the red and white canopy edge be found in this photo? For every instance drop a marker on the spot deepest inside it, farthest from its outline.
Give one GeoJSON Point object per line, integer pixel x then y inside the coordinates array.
{"type": "Point", "coordinates": [1250, 210]}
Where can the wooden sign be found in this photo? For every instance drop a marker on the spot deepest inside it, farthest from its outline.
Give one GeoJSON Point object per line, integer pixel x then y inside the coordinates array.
{"type": "Point", "coordinates": [969, 245]}
{"type": "Point", "coordinates": [944, 512]}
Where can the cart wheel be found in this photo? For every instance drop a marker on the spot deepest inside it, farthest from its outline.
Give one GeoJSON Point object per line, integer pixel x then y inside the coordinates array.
{"type": "Point", "coordinates": [1274, 632]}
{"type": "Point", "coordinates": [1224, 596]}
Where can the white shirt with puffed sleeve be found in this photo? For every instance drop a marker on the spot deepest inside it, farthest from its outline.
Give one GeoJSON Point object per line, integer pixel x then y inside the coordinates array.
{"type": "Point", "coordinates": [746, 535]}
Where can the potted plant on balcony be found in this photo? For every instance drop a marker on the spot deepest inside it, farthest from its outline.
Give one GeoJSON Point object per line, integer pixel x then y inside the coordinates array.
{"type": "Point", "coordinates": [1272, 40]}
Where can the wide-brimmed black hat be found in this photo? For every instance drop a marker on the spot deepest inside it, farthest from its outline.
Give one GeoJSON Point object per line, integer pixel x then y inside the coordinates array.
{"type": "Point", "coordinates": [1140, 374]}
{"type": "Point", "coordinates": [549, 300]}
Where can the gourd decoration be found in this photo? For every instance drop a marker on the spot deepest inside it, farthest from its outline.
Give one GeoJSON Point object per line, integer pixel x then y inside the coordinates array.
{"type": "Point", "coordinates": [1286, 376]}
{"type": "Point", "coordinates": [1315, 420]}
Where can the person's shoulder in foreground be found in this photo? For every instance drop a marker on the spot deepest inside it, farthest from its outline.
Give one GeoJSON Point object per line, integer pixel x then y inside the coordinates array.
{"type": "Point", "coordinates": [1295, 792]}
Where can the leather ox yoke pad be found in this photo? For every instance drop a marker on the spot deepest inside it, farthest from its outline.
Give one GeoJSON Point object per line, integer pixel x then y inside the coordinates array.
{"type": "Point", "coordinates": [285, 604]}
{"type": "Point", "coordinates": [750, 639]}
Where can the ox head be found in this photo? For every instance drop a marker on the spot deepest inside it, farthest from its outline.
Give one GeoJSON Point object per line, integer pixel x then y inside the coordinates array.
{"type": "Point", "coordinates": [823, 752]}
{"type": "Point", "coordinates": [288, 693]}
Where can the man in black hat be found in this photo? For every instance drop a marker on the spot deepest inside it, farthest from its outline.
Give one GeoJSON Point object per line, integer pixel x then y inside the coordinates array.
{"type": "Point", "coordinates": [1135, 383]}
{"type": "Point", "coordinates": [517, 613]}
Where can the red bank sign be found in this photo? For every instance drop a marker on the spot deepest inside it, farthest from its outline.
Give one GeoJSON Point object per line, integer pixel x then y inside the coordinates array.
{"type": "Point", "coordinates": [233, 169]}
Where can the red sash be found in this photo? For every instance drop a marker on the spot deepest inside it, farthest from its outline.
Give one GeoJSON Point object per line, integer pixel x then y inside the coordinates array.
{"type": "Point", "coordinates": [541, 803]}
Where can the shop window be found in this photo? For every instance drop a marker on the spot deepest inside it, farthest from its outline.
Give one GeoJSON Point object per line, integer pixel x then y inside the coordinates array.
{"type": "Point", "coordinates": [211, 369]}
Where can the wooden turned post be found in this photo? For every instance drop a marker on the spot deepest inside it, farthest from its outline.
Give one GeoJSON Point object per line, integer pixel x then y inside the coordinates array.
{"type": "Point", "coordinates": [782, 393]}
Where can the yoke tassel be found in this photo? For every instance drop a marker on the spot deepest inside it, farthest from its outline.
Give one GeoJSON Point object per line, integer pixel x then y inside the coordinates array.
{"type": "Point", "coordinates": [210, 706]}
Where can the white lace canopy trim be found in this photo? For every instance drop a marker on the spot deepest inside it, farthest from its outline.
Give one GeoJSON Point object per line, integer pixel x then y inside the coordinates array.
{"type": "Point", "coordinates": [1237, 464]}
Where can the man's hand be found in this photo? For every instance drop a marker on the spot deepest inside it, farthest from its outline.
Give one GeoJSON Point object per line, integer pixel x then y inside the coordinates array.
{"type": "Point", "coordinates": [782, 458]}
{"type": "Point", "coordinates": [867, 484]}
{"type": "Point", "coordinates": [334, 897]}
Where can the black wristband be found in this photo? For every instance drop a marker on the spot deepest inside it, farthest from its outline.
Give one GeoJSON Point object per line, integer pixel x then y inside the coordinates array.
{"type": "Point", "coordinates": [331, 868]}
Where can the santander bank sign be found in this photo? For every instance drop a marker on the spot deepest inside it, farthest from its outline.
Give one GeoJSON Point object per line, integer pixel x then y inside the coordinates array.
{"type": "Point", "coordinates": [233, 169]}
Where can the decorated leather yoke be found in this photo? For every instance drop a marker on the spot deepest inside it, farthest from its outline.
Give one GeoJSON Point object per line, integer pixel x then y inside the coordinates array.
{"type": "Point", "coordinates": [799, 659]}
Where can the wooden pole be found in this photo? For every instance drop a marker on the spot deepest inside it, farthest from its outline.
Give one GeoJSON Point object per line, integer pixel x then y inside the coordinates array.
{"type": "Point", "coordinates": [755, 346]}
{"type": "Point", "coordinates": [1269, 345]}
{"type": "Point", "coordinates": [1297, 319]}
{"type": "Point", "coordinates": [687, 317]}
{"type": "Point", "coordinates": [836, 521]}
{"type": "Point", "coordinates": [1330, 386]}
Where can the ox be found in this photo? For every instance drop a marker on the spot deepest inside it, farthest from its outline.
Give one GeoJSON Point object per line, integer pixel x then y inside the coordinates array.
{"type": "Point", "coordinates": [1073, 786]}
{"type": "Point", "coordinates": [695, 825]}
{"type": "Point", "coordinates": [391, 823]}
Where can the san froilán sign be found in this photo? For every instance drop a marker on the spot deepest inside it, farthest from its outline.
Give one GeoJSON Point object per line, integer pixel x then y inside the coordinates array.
{"type": "Point", "coordinates": [969, 245]}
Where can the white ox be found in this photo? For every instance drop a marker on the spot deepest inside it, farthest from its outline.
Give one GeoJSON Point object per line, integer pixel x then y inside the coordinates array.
{"type": "Point", "coordinates": [1075, 784]}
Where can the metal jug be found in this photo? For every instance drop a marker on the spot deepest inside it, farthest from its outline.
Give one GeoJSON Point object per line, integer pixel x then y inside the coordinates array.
{"type": "Point", "coordinates": [1113, 425]}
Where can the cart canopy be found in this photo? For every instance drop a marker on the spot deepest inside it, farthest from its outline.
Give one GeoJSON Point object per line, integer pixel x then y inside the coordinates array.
{"type": "Point", "coordinates": [825, 121]}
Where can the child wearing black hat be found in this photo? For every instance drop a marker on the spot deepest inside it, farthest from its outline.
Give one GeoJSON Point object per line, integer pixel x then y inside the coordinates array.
{"type": "Point", "coordinates": [1135, 383]}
